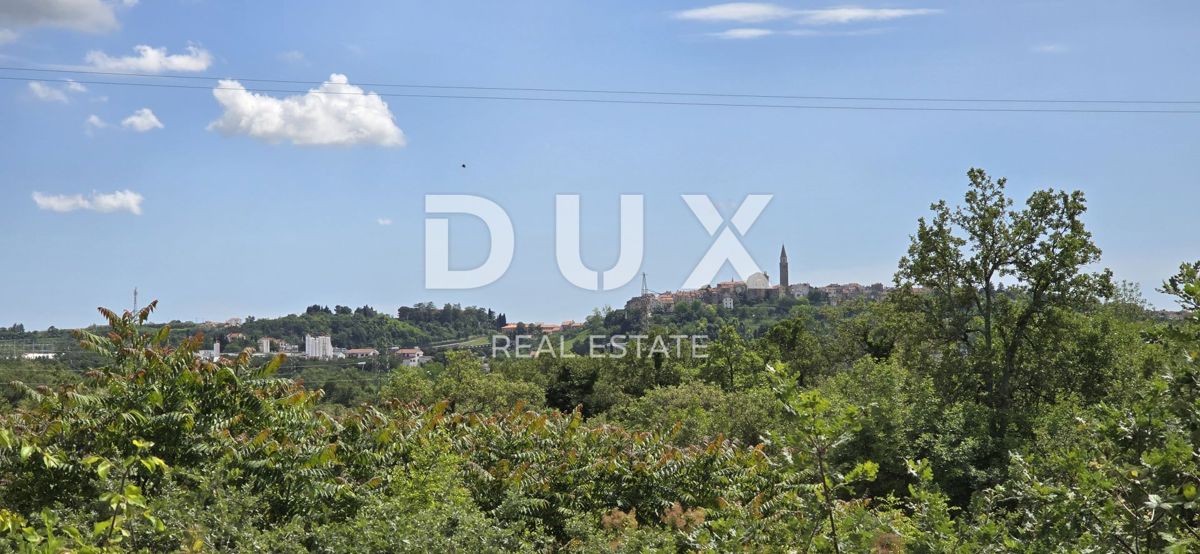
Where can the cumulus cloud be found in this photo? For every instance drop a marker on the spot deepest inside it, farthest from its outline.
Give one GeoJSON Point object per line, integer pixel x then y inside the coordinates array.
{"type": "Point", "coordinates": [335, 113]}
{"type": "Point", "coordinates": [7, 36]}
{"type": "Point", "coordinates": [383, 221]}
{"type": "Point", "coordinates": [46, 93]}
{"type": "Point", "coordinates": [151, 60]}
{"type": "Point", "coordinates": [119, 201]}
{"type": "Point", "coordinates": [743, 34]}
{"type": "Point", "coordinates": [50, 93]}
{"type": "Point", "coordinates": [80, 15]}
{"type": "Point", "coordinates": [141, 121]}
{"type": "Point", "coordinates": [94, 122]}
{"type": "Point", "coordinates": [754, 12]}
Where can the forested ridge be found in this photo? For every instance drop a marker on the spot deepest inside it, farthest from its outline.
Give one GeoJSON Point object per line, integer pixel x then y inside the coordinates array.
{"type": "Point", "coordinates": [422, 324]}
{"type": "Point", "coordinates": [1009, 396]}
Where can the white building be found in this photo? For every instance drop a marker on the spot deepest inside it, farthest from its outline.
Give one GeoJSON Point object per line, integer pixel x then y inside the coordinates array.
{"type": "Point", "coordinates": [411, 357]}
{"type": "Point", "coordinates": [39, 355]}
{"type": "Point", "coordinates": [318, 347]}
{"type": "Point", "coordinates": [214, 354]}
{"type": "Point", "coordinates": [264, 345]}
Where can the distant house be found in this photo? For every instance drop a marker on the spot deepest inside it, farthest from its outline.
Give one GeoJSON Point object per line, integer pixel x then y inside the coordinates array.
{"type": "Point", "coordinates": [361, 353]}
{"type": "Point", "coordinates": [731, 286]}
{"type": "Point", "coordinates": [404, 353]}
{"type": "Point", "coordinates": [411, 357]}
{"type": "Point", "coordinates": [800, 290]}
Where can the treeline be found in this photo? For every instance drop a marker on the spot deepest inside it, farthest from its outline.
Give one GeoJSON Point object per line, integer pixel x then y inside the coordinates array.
{"type": "Point", "coordinates": [363, 327]}
{"type": "Point", "coordinates": [347, 329]}
{"type": "Point", "coordinates": [452, 321]}
{"type": "Point", "coordinates": [1051, 414]}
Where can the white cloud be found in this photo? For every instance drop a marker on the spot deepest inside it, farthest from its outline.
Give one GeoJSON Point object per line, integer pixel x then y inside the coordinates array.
{"type": "Point", "coordinates": [335, 113]}
{"type": "Point", "coordinates": [50, 93]}
{"type": "Point", "coordinates": [1049, 48]}
{"type": "Point", "coordinates": [119, 201]}
{"type": "Point", "coordinates": [122, 200]}
{"type": "Point", "coordinates": [7, 36]}
{"type": "Point", "coordinates": [94, 122]}
{"type": "Point", "coordinates": [47, 93]}
{"type": "Point", "coordinates": [853, 14]}
{"type": "Point", "coordinates": [129, 3]}
{"type": "Point", "coordinates": [141, 121]}
{"type": "Point", "coordinates": [743, 34]}
{"type": "Point", "coordinates": [151, 60]}
{"type": "Point", "coordinates": [81, 15]}
{"type": "Point", "coordinates": [383, 221]}
{"type": "Point", "coordinates": [740, 12]}
{"type": "Point", "coordinates": [753, 12]}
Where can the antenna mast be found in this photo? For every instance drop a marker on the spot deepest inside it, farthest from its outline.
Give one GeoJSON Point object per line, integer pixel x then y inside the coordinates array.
{"type": "Point", "coordinates": [135, 300]}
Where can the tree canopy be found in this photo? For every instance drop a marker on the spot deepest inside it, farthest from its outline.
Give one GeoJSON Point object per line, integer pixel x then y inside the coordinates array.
{"type": "Point", "coordinates": [1008, 397]}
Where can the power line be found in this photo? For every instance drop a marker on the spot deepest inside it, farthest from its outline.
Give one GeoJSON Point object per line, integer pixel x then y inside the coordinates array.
{"type": "Point", "coordinates": [617, 91]}
{"type": "Point", "coordinates": [631, 101]}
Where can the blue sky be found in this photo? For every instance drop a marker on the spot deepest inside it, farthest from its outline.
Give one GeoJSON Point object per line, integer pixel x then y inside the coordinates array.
{"type": "Point", "coordinates": [235, 221]}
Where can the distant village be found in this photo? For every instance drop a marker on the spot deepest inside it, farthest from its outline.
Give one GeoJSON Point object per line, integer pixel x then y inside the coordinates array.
{"type": "Point", "coordinates": [756, 289]}
{"type": "Point", "coordinates": [728, 294]}
{"type": "Point", "coordinates": [753, 290]}
{"type": "Point", "coordinates": [318, 348]}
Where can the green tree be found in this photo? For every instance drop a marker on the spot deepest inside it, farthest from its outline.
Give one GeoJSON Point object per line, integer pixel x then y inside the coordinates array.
{"type": "Point", "coordinates": [992, 278]}
{"type": "Point", "coordinates": [798, 347]}
{"type": "Point", "coordinates": [731, 358]}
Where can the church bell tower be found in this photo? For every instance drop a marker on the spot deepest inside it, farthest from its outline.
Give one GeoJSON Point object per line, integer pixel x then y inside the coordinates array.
{"type": "Point", "coordinates": [783, 272]}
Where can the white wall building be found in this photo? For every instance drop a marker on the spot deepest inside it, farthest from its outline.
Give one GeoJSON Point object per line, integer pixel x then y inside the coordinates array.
{"type": "Point", "coordinates": [214, 354]}
{"type": "Point", "coordinates": [318, 347]}
{"type": "Point", "coordinates": [411, 357]}
{"type": "Point", "coordinates": [39, 355]}
{"type": "Point", "coordinates": [264, 345]}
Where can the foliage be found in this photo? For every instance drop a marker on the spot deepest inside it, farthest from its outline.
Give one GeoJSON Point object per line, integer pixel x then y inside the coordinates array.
{"type": "Point", "coordinates": [700, 412]}
{"type": "Point", "coordinates": [890, 426]}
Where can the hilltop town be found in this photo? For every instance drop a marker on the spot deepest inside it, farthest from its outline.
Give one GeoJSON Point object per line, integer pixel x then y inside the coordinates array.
{"type": "Point", "coordinates": [755, 289]}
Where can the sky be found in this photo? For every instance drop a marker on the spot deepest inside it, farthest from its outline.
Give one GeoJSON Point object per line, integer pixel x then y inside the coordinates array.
{"type": "Point", "coordinates": [231, 202]}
